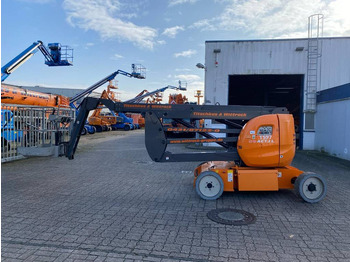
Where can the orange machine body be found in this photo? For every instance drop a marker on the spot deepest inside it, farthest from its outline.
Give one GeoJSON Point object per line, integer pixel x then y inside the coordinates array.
{"type": "Point", "coordinates": [267, 141]}
{"type": "Point", "coordinates": [236, 178]}
{"type": "Point", "coordinates": [20, 96]}
{"type": "Point", "coordinates": [266, 145]}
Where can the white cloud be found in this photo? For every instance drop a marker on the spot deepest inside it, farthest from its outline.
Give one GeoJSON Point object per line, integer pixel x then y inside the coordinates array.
{"type": "Point", "coordinates": [187, 53]}
{"type": "Point", "coordinates": [187, 78]}
{"type": "Point", "coordinates": [101, 16]}
{"type": "Point", "coordinates": [179, 2]}
{"type": "Point", "coordinates": [337, 18]}
{"type": "Point", "coordinates": [269, 18]}
{"type": "Point", "coordinates": [117, 57]}
{"type": "Point", "coordinates": [278, 18]}
{"type": "Point", "coordinates": [161, 42]}
{"type": "Point", "coordinates": [172, 31]}
{"type": "Point", "coordinates": [128, 16]}
{"type": "Point", "coordinates": [88, 45]}
{"type": "Point", "coordinates": [204, 25]}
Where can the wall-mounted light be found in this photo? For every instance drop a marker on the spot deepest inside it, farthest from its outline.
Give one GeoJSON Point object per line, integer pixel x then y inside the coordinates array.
{"type": "Point", "coordinates": [201, 66]}
{"type": "Point", "coordinates": [299, 49]}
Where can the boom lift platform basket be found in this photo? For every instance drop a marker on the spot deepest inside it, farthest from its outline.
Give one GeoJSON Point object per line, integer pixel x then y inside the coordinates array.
{"type": "Point", "coordinates": [258, 147]}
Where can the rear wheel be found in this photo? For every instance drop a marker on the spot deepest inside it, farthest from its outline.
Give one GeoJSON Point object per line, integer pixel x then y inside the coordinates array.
{"type": "Point", "coordinates": [209, 185]}
{"type": "Point", "coordinates": [126, 127]}
{"type": "Point", "coordinates": [310, 187]}
{"type": "Point", "coordinates": [84, 131]}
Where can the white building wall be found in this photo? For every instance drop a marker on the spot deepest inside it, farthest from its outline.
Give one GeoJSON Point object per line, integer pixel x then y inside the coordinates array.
{"type": "Point", "coordinates": [333, 125]}
{"type": "Point", "coordinates": [249, 58]}
{"type": "Point", "coordinates": [335, 62]}
{"type": "Point", "coordinates": [281, 57]}
{"type": "Point", "coordinates": [332, 120]}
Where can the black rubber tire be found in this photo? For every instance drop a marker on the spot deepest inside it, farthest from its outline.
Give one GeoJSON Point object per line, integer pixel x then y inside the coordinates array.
{"type": "Point", "coordinates": [84, 131]}
{"type": "Point", "coordinates": [203, 175]}
{"type": "Point", "coordinates": [127, 128]}
{"type": "Point", "coordinates": [93, 131]}
{"type": "Point", "coordinates": [98, 128]}
{"type": "Point", "coordinates": [299, 187]}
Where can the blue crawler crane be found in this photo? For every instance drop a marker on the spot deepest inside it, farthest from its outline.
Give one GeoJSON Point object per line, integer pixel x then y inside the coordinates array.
{"type": "Point", "coordinates": [55, 55]}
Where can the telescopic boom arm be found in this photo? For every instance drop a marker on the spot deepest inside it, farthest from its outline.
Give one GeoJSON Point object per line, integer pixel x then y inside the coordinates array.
{"type": "Point", "coordinates": [53, 57]}
{"type": "Point", "coordinates": [89, 90]}
{"type": "Point", "coordinates": [139, 98]}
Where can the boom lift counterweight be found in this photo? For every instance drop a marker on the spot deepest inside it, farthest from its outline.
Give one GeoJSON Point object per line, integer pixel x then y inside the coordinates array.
{"type": "Point", "coordinates": [258, 148]}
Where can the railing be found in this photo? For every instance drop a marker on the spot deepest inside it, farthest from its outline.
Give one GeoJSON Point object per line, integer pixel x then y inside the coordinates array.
{"type": "Point", "coordinates": [32, 128]}
{"type": "Point", "coordinates": [67, 54]}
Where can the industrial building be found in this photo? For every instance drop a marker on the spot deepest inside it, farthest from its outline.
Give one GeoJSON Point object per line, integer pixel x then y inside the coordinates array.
{"type": "Point", "coordinates": [311, 77]}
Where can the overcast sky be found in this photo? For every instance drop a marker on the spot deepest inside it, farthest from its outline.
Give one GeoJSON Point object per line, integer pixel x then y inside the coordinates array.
{"type": "Point", "coordinates": [166, 36]}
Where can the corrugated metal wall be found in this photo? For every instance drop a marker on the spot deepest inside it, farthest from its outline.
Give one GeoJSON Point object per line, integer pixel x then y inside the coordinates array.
{"type": "Point", "coordinates": [333, 128]}
{"type": "Point", "coordinates": [281, 57]}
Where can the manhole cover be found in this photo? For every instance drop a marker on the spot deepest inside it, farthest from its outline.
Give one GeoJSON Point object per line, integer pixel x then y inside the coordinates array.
{"type": "Point", "coordinates": [228, 216]}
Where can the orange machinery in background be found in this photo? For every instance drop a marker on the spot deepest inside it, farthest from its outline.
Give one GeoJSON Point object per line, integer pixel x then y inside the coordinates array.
{"type": "Point", "coordinates": [155, 98]}
{"type": "Point", "coordinates": [99, 120]}
{"type": "Point", "coordinates": [177, 99]}
{"type": "Point", "coordinates": [20, 96]}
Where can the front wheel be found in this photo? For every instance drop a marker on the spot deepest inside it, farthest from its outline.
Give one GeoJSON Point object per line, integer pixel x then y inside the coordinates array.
{"type": "Point", "coordinates": [209, 185]}
{"type": "Point", "coordinates": [310, 187]}
{"type": "Point", "coordinates": [92, 130]}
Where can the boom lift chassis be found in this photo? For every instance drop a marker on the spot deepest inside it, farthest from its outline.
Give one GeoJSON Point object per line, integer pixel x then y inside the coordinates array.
{"type": "Point", "coordinates": [258, 148]}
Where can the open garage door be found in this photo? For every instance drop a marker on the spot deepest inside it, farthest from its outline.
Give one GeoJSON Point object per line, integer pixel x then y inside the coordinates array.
{"type": "Point", "coordinates": [269, 90]}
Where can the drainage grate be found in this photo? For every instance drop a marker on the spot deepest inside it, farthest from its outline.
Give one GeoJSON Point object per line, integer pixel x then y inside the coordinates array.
{"type": "Point", "coordinates": [228, 216]}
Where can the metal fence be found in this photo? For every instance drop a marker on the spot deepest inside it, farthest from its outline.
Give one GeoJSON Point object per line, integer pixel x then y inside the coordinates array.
{"type": "Point", "coordinates": [32, 130]}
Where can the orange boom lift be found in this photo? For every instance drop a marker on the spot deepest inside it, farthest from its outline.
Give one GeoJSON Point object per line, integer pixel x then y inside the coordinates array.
{"type": "Point", "coordinates": [258, 146]}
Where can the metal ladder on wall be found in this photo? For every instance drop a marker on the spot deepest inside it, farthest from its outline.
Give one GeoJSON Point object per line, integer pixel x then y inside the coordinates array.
{"type": "Point", "coordinates": [315, 31]}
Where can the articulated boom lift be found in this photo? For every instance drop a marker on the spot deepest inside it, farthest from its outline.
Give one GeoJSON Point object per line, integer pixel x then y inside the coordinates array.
{"type": "Point", "coordinates": [138, 71]}
{"type": "Point", "coordinates": [55, 55]}
{"type": "Point", "coordinates": [257, 151]}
